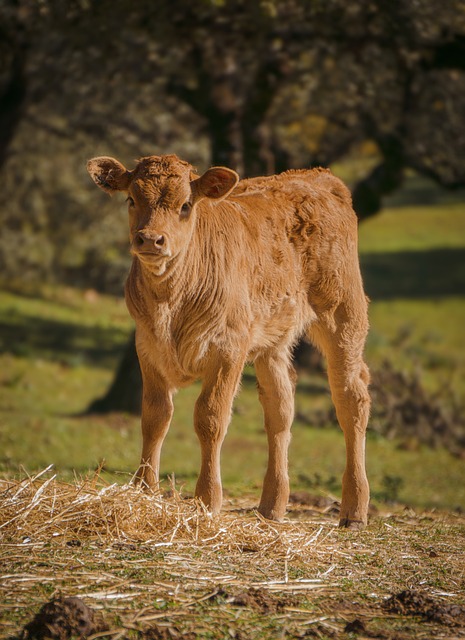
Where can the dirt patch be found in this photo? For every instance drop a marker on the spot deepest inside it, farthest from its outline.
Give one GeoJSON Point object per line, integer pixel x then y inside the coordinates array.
{"type": "Point", "coordinates": [307, 505]}
{"type": "Point", "coordinates": [404, 409]}
{"type": "Point", "coordinates": [415, 603]}
{"type": "Point", "coordinates": [259, 599]}
{"type": "Point", "coordinates": [360, 628]}
{"type": "Point", "coordinates": [256, 598]}
{"type": "Point", "coordinates": [311, 500]}
{"type": "Point", "coordinates": [63, 618]}
{"type": "Point", "coordinates": [319, 631]}
{"type": "Point", "coordinates": [356, 626]}
{"type": "Point", "coordinates": [166, 633]}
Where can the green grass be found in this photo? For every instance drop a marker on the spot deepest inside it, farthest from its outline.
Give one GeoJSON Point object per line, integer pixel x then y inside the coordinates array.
{"type": "Point", "coordinates": [413, 263]}
{"type": "Point", "coordinates": [414, 228]}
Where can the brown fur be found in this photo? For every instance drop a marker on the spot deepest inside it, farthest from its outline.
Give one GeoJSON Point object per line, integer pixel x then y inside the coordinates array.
{"type": "Point", "coordinates": [239, 274]}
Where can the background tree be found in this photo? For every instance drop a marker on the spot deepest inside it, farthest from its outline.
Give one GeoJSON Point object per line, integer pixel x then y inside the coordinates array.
{"type": "Point", "coordinates": [13, 54]}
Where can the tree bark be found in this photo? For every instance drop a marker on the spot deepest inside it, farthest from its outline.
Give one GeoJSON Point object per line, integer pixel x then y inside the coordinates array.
{"type": "Point", "coordinates": [383, 180]}
{"type": "Point", "coordinates": [125, 392]}
{"type": "Point", "coordinates": [13, 93]}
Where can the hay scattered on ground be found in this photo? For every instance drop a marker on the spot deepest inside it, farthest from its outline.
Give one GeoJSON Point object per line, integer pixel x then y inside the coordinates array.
{"type": "Point", "coordinates": [129, 551]}
{"type": "Point", "coordinates": [160, 566]}
{"type": "Point", "coordinates": [35, 509]}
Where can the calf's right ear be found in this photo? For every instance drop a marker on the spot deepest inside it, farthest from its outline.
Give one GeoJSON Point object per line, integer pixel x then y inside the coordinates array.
{"type": "Point", "coordinates": [109, 174]}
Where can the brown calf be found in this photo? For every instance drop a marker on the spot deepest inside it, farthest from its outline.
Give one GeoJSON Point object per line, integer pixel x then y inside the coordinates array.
{"type": "Point", "coordinates": [226, 272]}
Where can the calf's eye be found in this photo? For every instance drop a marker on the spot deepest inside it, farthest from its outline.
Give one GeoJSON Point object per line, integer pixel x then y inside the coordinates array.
{"type": "Point", "coordinates": [130, 201]}
{"type": "Point", "coordinates": [185, 209]}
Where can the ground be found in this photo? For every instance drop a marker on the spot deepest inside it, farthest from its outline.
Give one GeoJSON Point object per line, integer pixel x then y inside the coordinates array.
{"type": "Point", "coordinates": [155, 566]}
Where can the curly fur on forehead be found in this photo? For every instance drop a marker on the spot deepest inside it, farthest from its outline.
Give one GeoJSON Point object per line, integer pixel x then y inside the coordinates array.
{"type": "Point", "coordinates": [161, 167]}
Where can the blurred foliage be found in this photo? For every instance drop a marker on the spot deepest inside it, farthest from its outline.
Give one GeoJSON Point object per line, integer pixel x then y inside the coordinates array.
{"type": "Point", "coordinates": [259, 86]}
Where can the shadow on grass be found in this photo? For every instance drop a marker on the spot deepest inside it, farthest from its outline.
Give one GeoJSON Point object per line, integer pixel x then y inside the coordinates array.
{"type": "Point", "coordinates": [249, 381]}
{"type": "Point", "coordinates": [414, 274]}
{"type": "Point", "coordinates": [71, 343]}
{"type": "Point", "coordinates": [419, 190]}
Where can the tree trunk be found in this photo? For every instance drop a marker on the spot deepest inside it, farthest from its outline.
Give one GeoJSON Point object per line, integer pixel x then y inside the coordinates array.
{"type": "Point", "coordinates": [125, 392]}
{"type": "Point", "coordinates": [368, 193]}
{"type": "Point", "coordinates": [383, 180]}
{"type": "Point", "coordinates": [13, 93]}
{"type": "Point", "coordinates": [225, 140]}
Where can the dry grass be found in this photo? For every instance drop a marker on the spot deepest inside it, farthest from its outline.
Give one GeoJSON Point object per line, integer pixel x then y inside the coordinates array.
{"type": "Point", "coordinates": [145, 559]}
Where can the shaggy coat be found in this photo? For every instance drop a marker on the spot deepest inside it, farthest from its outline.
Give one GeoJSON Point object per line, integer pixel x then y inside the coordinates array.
{"type": "Point", "coordinates": [227, 272]}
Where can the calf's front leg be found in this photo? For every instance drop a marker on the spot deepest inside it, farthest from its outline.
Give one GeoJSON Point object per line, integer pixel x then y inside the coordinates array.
{"type": "Point", "coordinates": [157, 411]}
{"type": "Point", "coordinates": [211, 419]}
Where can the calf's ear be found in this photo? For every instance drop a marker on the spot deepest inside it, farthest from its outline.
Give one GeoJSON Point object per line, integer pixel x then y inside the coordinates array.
{"type": "Point", "coordinates": [215, 183]}
{"type": "Point", "coordinates": [108, 174]}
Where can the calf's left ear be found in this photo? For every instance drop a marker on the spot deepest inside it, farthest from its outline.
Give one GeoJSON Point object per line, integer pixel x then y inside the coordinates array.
{"type": "Point", "coordinates": [215, 183]}
{"type": "Point", "coordinates": [109, 174]}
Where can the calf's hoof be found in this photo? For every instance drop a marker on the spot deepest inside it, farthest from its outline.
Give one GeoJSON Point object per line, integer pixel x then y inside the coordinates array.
{"type": "Point", "coordinates": [211, 500]}
{"type": "Point", "coordinates": [276, 515]}
{"type": "Point", "coordinates": [145, 478]}
{"type": "Point", "coordinates": [347, 523]}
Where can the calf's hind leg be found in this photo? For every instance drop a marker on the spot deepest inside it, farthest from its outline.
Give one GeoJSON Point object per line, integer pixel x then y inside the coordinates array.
{"type": "Point", "coordinates": [276, 383]}
{"type": "Point", "coordinates": [342, 341]}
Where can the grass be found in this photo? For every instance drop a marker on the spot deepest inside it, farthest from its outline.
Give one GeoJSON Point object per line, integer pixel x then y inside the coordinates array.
{"type": "Point", "coordinates": [414, 229]}
{"type": "Point", "coordinates": [58, 350]}
{"type": "Point", "coordinates": [413, 262]}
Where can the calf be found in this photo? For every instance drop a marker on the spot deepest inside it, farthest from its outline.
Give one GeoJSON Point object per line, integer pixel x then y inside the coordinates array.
{"type": "Point", "coordinates": [227, 272]}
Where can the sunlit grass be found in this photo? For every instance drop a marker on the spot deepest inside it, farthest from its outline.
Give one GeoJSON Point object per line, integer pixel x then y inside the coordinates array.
{"type": "Point", "coordinates": [414, 229]}
{"type": "Point", "coordinates": [413, 261]}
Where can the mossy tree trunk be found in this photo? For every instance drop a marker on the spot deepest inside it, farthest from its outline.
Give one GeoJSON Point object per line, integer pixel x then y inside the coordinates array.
{"type": "Point", "coordinates": [13, 50]}
{"type": "Point", "coordinates": [125, 391]}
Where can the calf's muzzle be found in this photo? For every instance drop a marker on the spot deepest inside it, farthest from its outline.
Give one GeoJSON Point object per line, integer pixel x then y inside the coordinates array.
{"type": "Point", "coordinates": [153, 243]}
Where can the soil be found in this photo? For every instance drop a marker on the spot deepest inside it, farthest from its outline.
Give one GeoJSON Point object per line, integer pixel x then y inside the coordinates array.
{"type": "Point", "coordinates": [166, 633]}
{"type": "Point", "coordinates": [415, 603]}
{"type": "Point", "coordinates": [404, 409]}
{"type": "Point", "coordinates": [311, 500]}
{"type": "Point", "coordinates": [258, 599]}
{"type": "Point", "coordinates": [63, 618]}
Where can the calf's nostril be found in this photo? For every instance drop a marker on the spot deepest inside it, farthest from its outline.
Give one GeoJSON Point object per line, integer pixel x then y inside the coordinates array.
{"type": "Point", "coordinates": [160, 241]}
{"type": "Point", "coordinates": [139, 239]}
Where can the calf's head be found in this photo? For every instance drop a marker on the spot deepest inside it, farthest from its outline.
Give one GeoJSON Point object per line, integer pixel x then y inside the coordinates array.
{"type": "Point", "coordinates": [163, 193]}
